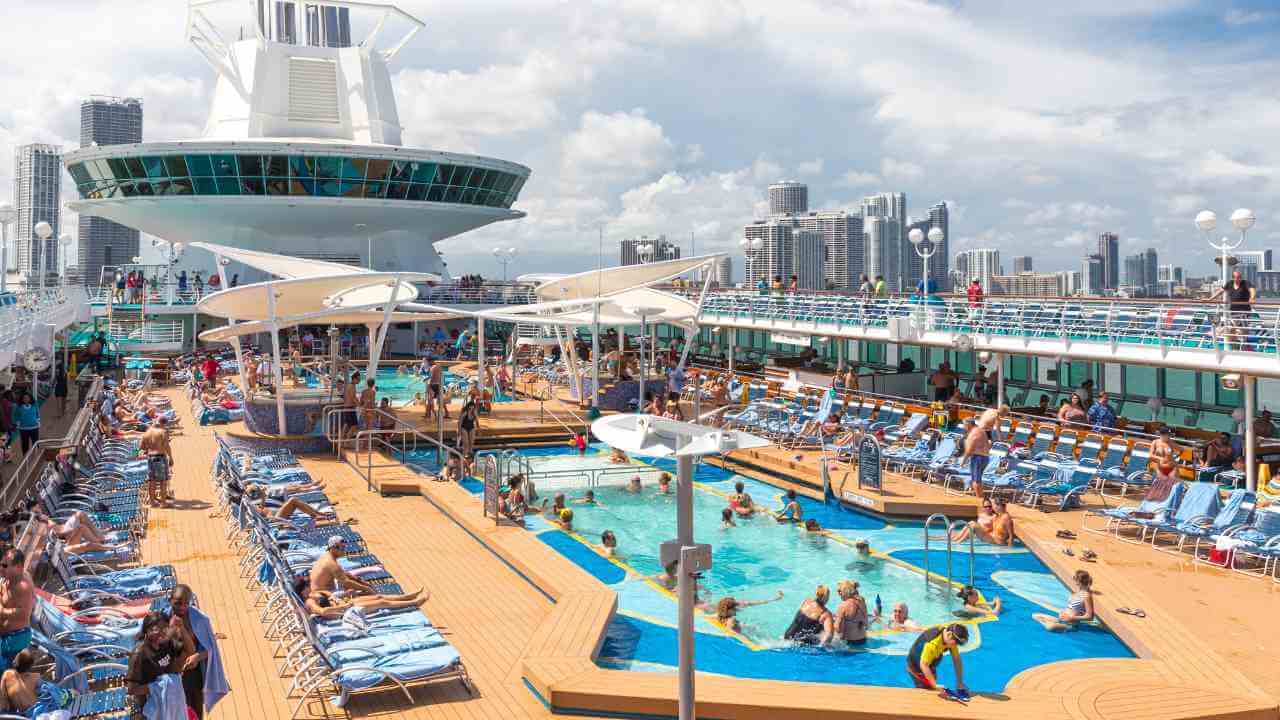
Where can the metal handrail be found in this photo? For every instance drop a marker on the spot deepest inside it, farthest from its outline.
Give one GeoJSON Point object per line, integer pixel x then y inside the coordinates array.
{"type": "Point", "coordinates": [409, 436]}
{"type": "Point", "coordinates": [946, 526]}
{"type": "Point", "coordinates": [23, 475]}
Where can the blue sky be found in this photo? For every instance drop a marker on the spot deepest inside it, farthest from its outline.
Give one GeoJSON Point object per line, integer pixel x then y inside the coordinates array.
{"type": "Point", "coordinates": [1041, 125]}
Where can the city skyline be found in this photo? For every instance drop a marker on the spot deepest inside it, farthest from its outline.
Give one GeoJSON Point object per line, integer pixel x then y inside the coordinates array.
{"type": "Point", "coordinates": [1052, 164]}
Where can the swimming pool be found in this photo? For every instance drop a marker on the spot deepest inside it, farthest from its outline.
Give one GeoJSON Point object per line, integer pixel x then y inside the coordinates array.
{"type": "Point", "coordinates": [401, 388]}
{"type": "Point", "coordinates": [759, 557]}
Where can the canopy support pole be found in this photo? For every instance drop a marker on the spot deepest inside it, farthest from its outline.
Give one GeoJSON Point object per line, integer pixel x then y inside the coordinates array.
{"type": "Point", "coordinates": [688, 342]}
{"type": "Point", "coordinates": [375, 351]}
{"type": "Point", "coordinates": [595, 355]}
{"type": "Point", "coordinates": [999, 380]}
{"type": "Point", "coordinates": [1250, 437]}
{"type": "Point", "coordinates": [686, 584]}
{"type": "Point", "coordinates": [480, 375]}
{"type": "Point", "coordinates": [733, 346]}
{"type": "Point", "coordinates": [235, 340]}
{"type": "Point", "coordinates": [275, 360]}
{"type": "Point", "coordinates": [839, 353]}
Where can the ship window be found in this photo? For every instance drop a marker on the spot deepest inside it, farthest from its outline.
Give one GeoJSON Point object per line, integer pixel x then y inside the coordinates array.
{"type": "Point", "coordinates": [154, 167]}
{"type": "Point", "coordinates": [224, 166]}
{"type": "Point", "coordinates": [250, 165]}
{"type": "Point", "coordinates": [118, 169]}
{"type": "Point", "coordinates": [127, 189]}
{"type": "Point", "coordinates": [78, 174]}
{"type": "Point", "coordinates": [277, 166]}
{"type": "Point", "coordinates": [460, 176]}
{"type": "Point", "coordinates": [424, 172]}
{"type": "Point", "coordinates": [417, 191]}
{"type": "Point", "coordinates": [228, 186]}
{"type": "Point", "coordinates": [375, 189]}
{"type": "Point", "coordinates": [176, 166]}
{"type": "Point", "coordinates": [401, 171]}
{"type": "Point", "coordinates": [1141, 381]}
{"type": "Point", "coordinates": [436, 194]}
{"type": "Point", "coordinates": [180, 186]}
{"type": "Point", "coordinates": [329, 167]}
{"type": "Point", "coordinates": [299, 186]}
{"type": "Point", "coordinates": [277, 186]}
{"type": "Point", "coordinates": [442, 177]}
{"type": "Point", "coordinates": [135, 168]}
{"type": "Point", "coordinates": [98, 170]}
{"type": "Point", "coordinates": [205, 186]}
{"type": "Point", "coordinates": [397, 190]}
{"type": "Point", "coordinates": [302, 167]}
{"type": "Point", "coordinates": [452, 194]}
{"type": "Point", "coordinates": [1180, 385]}
{"type": "Point", "coordinates": [199, 165]}
{"type": "Point", "coordinates": [378, 169]}
{"type": "Point", "coordinates": [491, 179]}
{"type": "Point", "coordinates": [143, 188]}
{"type": "Point", "coordinates": [353, 168]}
{"type": "Point", "coordinates": [351, 189]}
{"type": "Point", "coordinates": [504, 182]}
{"type": "Point", "coordinates": [251, 186]}
{"type": "Point", "coordinates": [477, 178]}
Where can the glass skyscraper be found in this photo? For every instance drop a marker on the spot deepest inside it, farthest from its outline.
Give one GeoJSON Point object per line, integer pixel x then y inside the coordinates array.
{"type": "Point", "coordinates": [106, 121]}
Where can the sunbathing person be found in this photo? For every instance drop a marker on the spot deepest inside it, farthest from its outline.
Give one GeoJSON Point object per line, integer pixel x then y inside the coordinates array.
{"type": "Point", "coordinates": [740, 502]}
{"type": "Point", "coordinates": [27, 693]}
{"type": "Point", "coordinates": [78, 534]}
{"type": "Point", "coordinates": [273, 501]}
{"type": "Point", "coordinates": [1001, 532]}
{"type": "Point", "coordinates": [974, 605]}
{"type": "Point", "coordinates": [831, 426]}
{"type": "Point", "coordinates": [986, 518]}
{"type": "Point", "coordinates": [323, 604]}
{"type": "Point", "coordinates": [327, 573]}
{"type": "Point", "coordinates": [1079, 607]}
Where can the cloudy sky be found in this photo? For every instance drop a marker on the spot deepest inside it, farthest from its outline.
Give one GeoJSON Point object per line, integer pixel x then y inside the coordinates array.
{"type": "Point", "coordinates": [1040, 125]}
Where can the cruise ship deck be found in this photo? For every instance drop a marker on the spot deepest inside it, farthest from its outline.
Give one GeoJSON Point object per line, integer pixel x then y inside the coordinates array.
{"type": "Point", "coordinates": [528, 623]}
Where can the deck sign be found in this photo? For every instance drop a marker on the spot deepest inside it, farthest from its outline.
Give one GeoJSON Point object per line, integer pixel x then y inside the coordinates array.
{"type": "Point", "coordinates": [869, 463]}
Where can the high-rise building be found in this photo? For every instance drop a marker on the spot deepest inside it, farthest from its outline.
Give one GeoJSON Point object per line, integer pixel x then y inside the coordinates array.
{"type": "Point", "coordinates": [939, 263]}
{"type": "Point", "coordinates": [1168, 279]}
{"type": "Point", "coordinates": [1022, 264]}
{"type": "Point", "coordinates": [842, 236]}
{"type": "Point", "coordinates": [1109, 251]}
{"type": "Point", "coordinates": [982, 264]}
{"type": "Point", "coordinates": [776, 255]}
{"type": "Point", "coordinates": [884, 250]}
{"type": "Point", "coordinates": [107, 121]}
{"type": "Point", "coordinates": [1252, 262]}
{"type": "Point", "coordinates": [721, 272]}
{"type": "Point", "coordinates": [1150, 274]}
{"type": "Point", "coordinates": [1033, 284]}
{"type": "Point", "coordinates": [661, 250]}
{"type": "Point", "coordinates": [1135, 275]}
{"type": "Point", "coordinates": [788, 198]}
{"type": "Point", "coordinates": [1093, 278]}
{"type": "Point", "coordinates": [810, 257]}
{"type": "Point", "coordinates": [37, 179]}
{"type": "Point", "coordinates": [890, 204]}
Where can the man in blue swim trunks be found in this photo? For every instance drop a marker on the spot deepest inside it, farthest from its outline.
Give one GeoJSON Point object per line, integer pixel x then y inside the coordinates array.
{"type": "Point", "coordinates": [17, 599]}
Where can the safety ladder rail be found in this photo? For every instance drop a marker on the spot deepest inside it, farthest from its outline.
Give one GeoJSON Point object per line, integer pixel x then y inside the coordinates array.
{"type": "Point", "coordinates": [946, 526]}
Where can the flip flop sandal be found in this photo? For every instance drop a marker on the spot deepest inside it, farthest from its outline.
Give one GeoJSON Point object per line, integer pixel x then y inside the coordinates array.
{"type": "Point", "coordinates": [1067, 551]}
{"type": "Point", "coordinates": [1089, 555]}
{"type": "Point", "coordinates": [1066, 535]}
{"type": "Point", "coordinates": [1135, 612]}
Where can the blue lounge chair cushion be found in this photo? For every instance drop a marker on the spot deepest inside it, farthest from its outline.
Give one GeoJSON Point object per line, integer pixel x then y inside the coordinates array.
{"type": "Point", "coordinates": [405, 667]}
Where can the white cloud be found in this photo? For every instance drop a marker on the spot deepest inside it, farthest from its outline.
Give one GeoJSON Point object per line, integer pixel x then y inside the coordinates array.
{"type": "Point", "coordinates": [618, 147]}
{"type": "Point", "coordinates": [1075, 213]}
{"type": "Point", "coordinates": [1237, 17]}
{"type": "Point", "coordinates": [901, 170]}
{"type": "Point", "coordinates": [857, 178]}
{"type": "Point", "coordinates": [810, 167]}
{"type": "Point", "coordinates": [1074, 240]}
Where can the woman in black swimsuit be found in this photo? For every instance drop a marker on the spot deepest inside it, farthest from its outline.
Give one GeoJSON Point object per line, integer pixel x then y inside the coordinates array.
{"type": "Point", "coordinates": [812, 624]}
{"type": "Point", "coordinates": [467, 421]}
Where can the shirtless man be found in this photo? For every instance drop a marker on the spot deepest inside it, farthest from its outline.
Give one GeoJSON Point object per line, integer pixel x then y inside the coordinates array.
{"type": "Point", "coordinates": [17, 598]}
{"type": "Point", "coordinates": [155, 447]}
{"type": "Point", "coordinates": [435, 388]}
{"type": "Point", "coordinates": [326, 574]}
{"type": "Point", "coordinates": [368, 398]}
{"type": "Point", "coordinates": [349, 404]}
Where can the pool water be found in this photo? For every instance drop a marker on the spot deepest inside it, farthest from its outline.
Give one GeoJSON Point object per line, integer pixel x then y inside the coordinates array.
{"type": "Point", "coordinates": [760, 557]}
{"type": "Point", "coordinates": [401, 388]}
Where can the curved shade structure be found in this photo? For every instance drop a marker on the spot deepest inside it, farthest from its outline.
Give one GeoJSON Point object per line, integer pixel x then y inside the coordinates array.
{"type": "Point", "coordinates": [226, 333]}
{"type": "Point", "coordinates": [610, 281]}
{"type": "Point", "coordinates": [282, 266]}
{"type": "Point", "coordinates": [304, 295]}
{"type": "Point", "coordinates": [618, 309]}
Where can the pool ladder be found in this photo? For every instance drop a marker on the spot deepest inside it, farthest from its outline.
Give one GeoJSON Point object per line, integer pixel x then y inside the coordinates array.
{"type": "Point", "coordinates": [948, 527]}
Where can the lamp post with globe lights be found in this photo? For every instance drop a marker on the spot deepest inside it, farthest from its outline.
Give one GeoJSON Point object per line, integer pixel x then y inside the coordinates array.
{"type": "Point", "coordinates": [8, 214]}
{"type": "Point", "coordinates": [504, 256]}
{"type": "Point", "coordinates": [44, 231]}
{"type": "Point", "coordinates": [926, 246]}
{"type": "Point", "coordinates": [1242, 219]}
{"type": "Point", "coordinates": [750, 251]}
{"type": "Point", "coordinates": [173, 253]}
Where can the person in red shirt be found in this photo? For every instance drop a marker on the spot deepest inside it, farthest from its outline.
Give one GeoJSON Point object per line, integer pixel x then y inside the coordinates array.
{"type": "Point", "coordinates": [210, 368]}
{"type": "Point", "coordinates": [974, 292]}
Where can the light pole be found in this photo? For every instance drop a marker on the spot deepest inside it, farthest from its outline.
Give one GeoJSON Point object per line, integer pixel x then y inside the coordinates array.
{"type": "Point", "coordinates": [44, 231]}
{"type": "Point", "coordinates": [1242, 219]}
{"type": "Point", "coordinates": [368, 240]}
{"type": "Point", "coordinates": [7, 215]}
{"type": "Point", "coordinates": [65, 241]}
{"type": "Point", "coordinates": [660, 437]}
{"type": "Point", "coordinates": [749, 246]}
{"type": "Point", "coordinates": [504, 256]}
{"type": "Point", "coordinates": [173, 253]}
{"type": "Point", "coordinates": [926, 246]}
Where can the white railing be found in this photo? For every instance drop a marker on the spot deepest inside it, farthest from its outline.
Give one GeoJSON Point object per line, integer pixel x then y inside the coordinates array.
{"type": "Point", "coordinates": [147, 332]}
{"type": "Point", "coordinates": [1165, 326]}
{"type": "Point", "coordinates": [22, 311]}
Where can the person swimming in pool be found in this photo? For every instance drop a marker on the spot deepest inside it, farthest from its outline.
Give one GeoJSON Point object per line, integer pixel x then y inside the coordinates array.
{"type": "Point", "coordinates": [664, 484]}
{"type": "Point", "coordinates": [812, 526]}
{"type": "Point", "coordinates": [726, 519]}
{"type": "Point", "coordinates": [812, 624]}
{"type": "Point", "coordinates": [899, 619]}
{"type": "Point", "coordinates": [974, 605]}
{"type": "Point", "coordinates": [727, 610]}
{"type": "Point", "coordinates": [564, 520]}
{"type": "Point", "coordinates": [669, 578]}
{"type": "Point", "coordinates": [557, 504]}
{"type": "Point", "coordinates": [609, 543]}
{"type": "Point", "coordinates": [1079, 607]}
{"type": "Point", "coordinates": [791, 511]}
{"type": "Point", "coordinates": [588, 498]}
{"type": "Point", "coordinates": [927, 651]}
{"type": "Point", "coordinates": [634, 486]}
{"type": "Point", "coordinates": [740, 502]}
{"type": "Point", "coordinates": [618, 457]}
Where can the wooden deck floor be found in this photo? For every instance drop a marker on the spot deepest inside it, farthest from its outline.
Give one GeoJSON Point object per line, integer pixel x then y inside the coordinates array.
{"type": "Point", "coordinates": [517, 611]}
{"type": "Point", "coordinates": [478, 601]}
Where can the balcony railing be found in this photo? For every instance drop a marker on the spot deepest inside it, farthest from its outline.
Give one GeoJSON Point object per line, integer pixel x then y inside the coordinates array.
{"type": "Point", "coordinates": [21, 311]}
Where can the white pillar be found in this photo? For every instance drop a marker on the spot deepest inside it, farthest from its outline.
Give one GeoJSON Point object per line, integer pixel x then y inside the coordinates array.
{"type": "Point", "coordinates": [235, 341]}
{"type": "Point", "coordinates": [839, 352]}
{"type": "Point", "coordinates": [642, 368]}
{"type": "Point", "coordinates": [595, 355]}
{"type": "Point", "coordinates": [999, 380]}
{"type": "Point", "coordinates": [480, 377]}
{"type": "Point", "coordinates": [685, 585]}
{"type": "Point", "coordinates": [275, 359]}
{"type": "Point", "coordinates": [733, 346]}
{"type": "Point", "coordinates": [1250, 454]}
{"type": "Point", "coordinates": [375, 350]}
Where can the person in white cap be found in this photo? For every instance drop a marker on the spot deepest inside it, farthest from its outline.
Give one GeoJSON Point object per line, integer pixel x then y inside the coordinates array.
{"type": "Point", "coordinates": [327, 574]}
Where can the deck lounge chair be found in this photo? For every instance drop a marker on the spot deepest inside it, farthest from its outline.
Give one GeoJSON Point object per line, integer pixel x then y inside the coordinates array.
{"type": "Point", "coordinates": [1259, 541]}
{"type": "Point", "coordinates": [1114, 517]}
{"type": "Point", "coordinates": [1200, 500]}
{"type": "Point", "coordinates": [1132, 473]}
{"type": "Point", "coordinates": [1236, 511]}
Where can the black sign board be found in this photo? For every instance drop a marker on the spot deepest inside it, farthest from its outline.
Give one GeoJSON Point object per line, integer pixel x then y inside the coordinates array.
{"type": "Point", "coordinates": [869, 463]}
